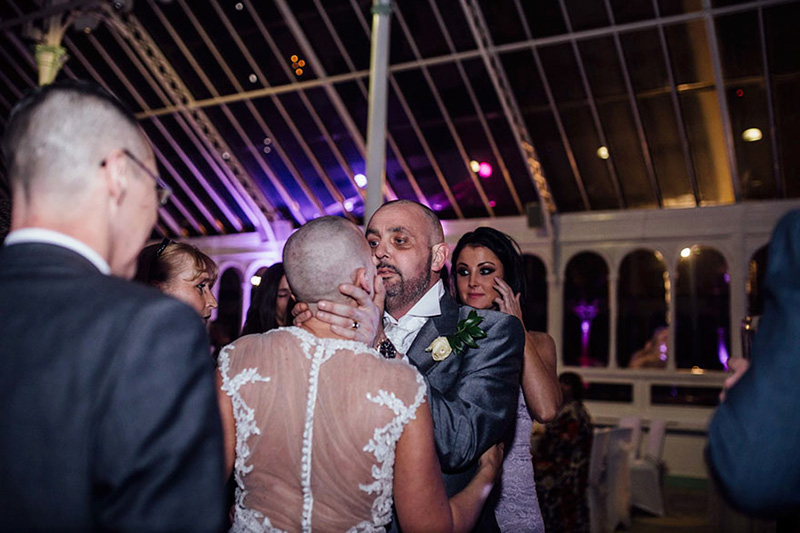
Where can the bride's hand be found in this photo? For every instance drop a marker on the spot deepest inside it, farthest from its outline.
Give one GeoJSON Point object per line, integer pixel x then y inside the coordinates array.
{"type": "Point", "coordinates": [507, 302]}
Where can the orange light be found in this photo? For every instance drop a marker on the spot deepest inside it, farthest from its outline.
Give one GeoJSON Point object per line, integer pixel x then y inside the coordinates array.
{"type": "Point", "coordinates": [293, 58]}
{"type": "Point", "coordinates": [301, 63]}
{"type": "Point", "coordinates": [299, 72]}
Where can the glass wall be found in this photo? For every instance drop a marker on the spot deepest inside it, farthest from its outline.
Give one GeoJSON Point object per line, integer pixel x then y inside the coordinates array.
{"type": "Point", "coordinates": [702, 329]}
{"type": "Point", "coordinates": [642, 294]}
{"type": "Point", "coordinates": [585, 331]}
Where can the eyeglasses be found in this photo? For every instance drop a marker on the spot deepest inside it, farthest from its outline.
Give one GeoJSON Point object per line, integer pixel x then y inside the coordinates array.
{"type": "Point", "coordinates": [162, 189]}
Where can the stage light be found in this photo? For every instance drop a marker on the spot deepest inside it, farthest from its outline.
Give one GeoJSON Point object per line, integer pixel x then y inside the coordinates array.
{"type": "Point", "coordinates": [255, 281]}
{"type": "Point", "coordinates": [752, 135]}
{"type": "Point", "coordinates": [361, 180]}
{"type": "Point", "coordinates": [348, 205]}
{"type": "Point", "coordinates": [602, 152]}
{"type": "Point", "coordinates": [485, 170]}
{"type": "Point", "coordinates": [686, 252]}
{"type": "Point", "coordinates": [474, 165]}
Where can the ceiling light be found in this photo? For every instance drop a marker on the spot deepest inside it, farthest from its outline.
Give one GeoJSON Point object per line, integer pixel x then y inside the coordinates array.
{"type": "Point", "coordinates": [361, 180]}
{"type": "Point", "coordinates": [485, 170]}
{"type": "Point", "coordinates": [686, 252]}
{"type": "Point", "coordinates": [255, 281]}
{"type": "Point", "coordinates": [474, 165]}
{"type": "Point", "coordinates": [293, 58]}
{"type": "Point", "coordinates": [602, 152]}
{"type": "Point", "coordinates": [348, 205]}
{"type": "Point", "coordinates": [752, 135]}
{"type": "Point", "coordinates": [253, 78]}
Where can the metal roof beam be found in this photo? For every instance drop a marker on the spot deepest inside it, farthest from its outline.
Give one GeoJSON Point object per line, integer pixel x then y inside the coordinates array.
{"type": "Point", "coordinates": [551, 101]}
{"type": "Point", "coordinates": [677, 108]}
{"type": "Point", "coordinates": [360, 82]}
{"type": "Point", "coordinates": [239, 183]}
{"type": "Point", "coordinates": [323, 81]}
{"type": "Point", "coordinates": [587, 88]}
{"type": "Point", "coordinates": [479, 110]}
{"type": "Point", "coordinates": [780, 185]}
{"type": "Point", "coordinates": [257, 115]}
{"type": "Point", "coordinates": [415, 126]}
{"type": "Point", "coordinates": [446, 115]}
{"type": "Point", "coordinates": [314, 61]}
{"type": "Point", "coordinates": [637, 119]}
{"type": "Point", "coordinates": [724, 110]}
{"type": "Point", "coordinates": [516, 123]}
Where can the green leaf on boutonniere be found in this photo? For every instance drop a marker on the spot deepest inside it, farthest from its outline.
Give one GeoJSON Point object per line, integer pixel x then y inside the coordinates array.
{"type": "Point", "coordinates": [467, 333]}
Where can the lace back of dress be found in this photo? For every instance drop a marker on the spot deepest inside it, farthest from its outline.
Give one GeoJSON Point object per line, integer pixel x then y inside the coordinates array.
{"type": "Point", "coordinates": [316, 427]}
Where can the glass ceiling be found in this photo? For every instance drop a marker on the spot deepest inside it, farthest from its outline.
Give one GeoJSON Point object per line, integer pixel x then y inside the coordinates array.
{"type": "Point", "coordinates": [258, 109]}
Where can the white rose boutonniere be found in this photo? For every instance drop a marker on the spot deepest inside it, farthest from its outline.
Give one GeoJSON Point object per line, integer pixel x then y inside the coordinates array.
{"type": "Point", "coordinates": [467, 332]}
{"type": "Point", "coordinates": [440, 347]}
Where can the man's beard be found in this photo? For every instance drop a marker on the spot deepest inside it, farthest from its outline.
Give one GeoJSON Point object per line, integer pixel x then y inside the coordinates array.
{"type": "Point", "coordinates": [405, 292]}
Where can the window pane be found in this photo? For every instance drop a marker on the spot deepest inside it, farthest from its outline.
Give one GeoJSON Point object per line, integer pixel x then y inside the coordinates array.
{"type": "Point", "coordinates": [585, 341]}
{"type": "Point", "coordinates": [755, 281]}
{"type": "Point", "coordinates": [535, 311]}
{"type": "Point", "coordinates": [642, 319]}
{"type": "Point", "coordinates": [697, 396]}
{"type": "Point", "coordinates": [702, 329]}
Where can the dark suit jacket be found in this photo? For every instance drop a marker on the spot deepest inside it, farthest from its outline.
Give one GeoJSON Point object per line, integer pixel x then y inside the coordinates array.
{"type": "Point", "coordinates": [108, 418]}
{"type": "Point", "coordinates": [754, 437]}
{"type": "Point", "coordinates": [473, 395]}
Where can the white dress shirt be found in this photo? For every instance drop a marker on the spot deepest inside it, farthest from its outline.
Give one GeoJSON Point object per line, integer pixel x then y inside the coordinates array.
{"type": "Point", "coordinates": [46, 236]}
{"type": "Point", "coordinates": [403, 332]}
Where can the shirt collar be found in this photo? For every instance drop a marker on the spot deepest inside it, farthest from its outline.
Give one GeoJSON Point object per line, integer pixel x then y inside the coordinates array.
{"type": "Point", "coordinates": [46, 236]}
{"type": "Point", "coordinates": [426, 307]}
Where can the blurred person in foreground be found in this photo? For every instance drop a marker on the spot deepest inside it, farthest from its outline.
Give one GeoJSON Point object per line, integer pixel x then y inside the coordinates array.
{"type": "Point", "coordinates": [487, 273]}
{"type": "Point", "coordinates": [271, 303]}
{"type": "Point", "coordinates": [754, 437]}
{"type": "Point", "coordinates": [107, 417]}
{"type": "Point", "coordinates": [322, 432]}
{"type": "Point", "coordinates": [182, 271]}
{"type": "Point", "coordinates": [561, 450]}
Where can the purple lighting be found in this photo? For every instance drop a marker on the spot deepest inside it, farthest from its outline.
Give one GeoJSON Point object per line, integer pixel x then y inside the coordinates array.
{"type": "Point", "coordinates": [586, 312]}
{"type": "Point", "coordinates": [722, 350]}
{"type": "Point", "coordinates": [485, 170]}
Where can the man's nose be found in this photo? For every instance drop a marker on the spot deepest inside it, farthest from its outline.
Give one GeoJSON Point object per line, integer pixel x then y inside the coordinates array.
{"type": "Point", "coordinates": [379, 251]}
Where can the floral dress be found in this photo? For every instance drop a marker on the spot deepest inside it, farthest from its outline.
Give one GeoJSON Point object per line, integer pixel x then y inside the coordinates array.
{"type": "Point", "coordinates": [561, 452]}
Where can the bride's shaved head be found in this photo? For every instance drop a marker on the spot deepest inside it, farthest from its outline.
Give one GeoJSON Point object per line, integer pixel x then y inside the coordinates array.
{"type": "Point", "coordinates": [323, 254]}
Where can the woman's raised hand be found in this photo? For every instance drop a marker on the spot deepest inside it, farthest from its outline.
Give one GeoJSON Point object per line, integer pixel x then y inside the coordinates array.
{"type": "Point", "coordinates": [507, 302]}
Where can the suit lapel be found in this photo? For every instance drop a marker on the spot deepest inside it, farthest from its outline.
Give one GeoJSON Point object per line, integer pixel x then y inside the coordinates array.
{"type": "Point", "coordinates": [437, 326]}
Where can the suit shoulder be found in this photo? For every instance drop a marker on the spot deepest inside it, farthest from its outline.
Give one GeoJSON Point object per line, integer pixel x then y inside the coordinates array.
{"type": "Point", "coordinates": [490, 317]}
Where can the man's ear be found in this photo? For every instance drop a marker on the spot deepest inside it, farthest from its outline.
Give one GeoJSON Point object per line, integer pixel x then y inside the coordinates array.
{"type": "Point", "coordinates": [440, 254]}
{"type": "Point", "coordinates": [115, 171]}
{"type": "Point", "coordinates": [363, 280]}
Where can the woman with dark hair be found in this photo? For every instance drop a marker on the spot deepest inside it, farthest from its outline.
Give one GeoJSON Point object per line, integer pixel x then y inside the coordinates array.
{"type": "Point", "coordinates": [561, 451]}
{"type": "Point", "coordinates": [271, 304]}
{"type": "Point", "coordinates": [181, 271]}
{"type": "Point", "coordinates": [487, 274]}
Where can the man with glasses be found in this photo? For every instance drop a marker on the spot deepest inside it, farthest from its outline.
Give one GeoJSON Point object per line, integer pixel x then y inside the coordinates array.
{"type": "Point", "coordinates": [108, 419]}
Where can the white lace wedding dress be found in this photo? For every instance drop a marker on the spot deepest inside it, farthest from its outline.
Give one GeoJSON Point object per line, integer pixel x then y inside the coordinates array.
{"type": "Point", "coordinates": [317, 421]}
{"type": "Point", "coordinates": [517, 509]}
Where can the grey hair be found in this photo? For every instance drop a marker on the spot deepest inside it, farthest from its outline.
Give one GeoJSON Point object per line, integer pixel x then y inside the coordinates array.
{"type": "Point", "coordinates": [323, 254]}
{"type": "Point", "coordinates": [58, 135]}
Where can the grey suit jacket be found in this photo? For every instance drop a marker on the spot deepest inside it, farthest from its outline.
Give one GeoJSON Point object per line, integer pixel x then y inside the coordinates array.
{"type": "Point", "coordinates": [108, 416]}
{"type": "Point", "coordinates": [473, 395]}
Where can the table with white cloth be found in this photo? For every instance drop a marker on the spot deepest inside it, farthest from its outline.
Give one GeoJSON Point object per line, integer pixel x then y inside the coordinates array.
{"type": "Point", "coordinates": [612, 494]}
